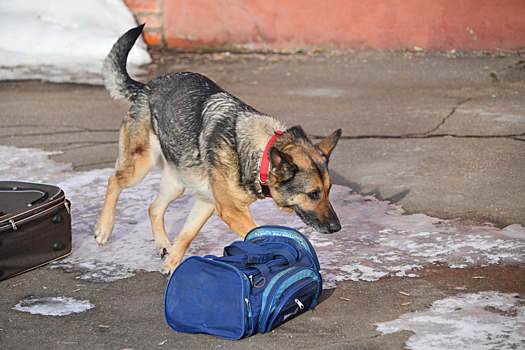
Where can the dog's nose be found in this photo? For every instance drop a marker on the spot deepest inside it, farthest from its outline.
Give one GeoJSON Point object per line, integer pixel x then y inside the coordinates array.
{"type": "Point", "coordinates": [334, 226]}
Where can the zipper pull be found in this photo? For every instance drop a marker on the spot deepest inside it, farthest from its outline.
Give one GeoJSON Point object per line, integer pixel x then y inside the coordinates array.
{"type": "Point", "coordinates": [248, 307]}
{"type": "Point", "coordinates": [251, 281]}
{"type": "Point", "coordinates": [301, 305]}
{"type": "Point", "coordinates": [12, 222]}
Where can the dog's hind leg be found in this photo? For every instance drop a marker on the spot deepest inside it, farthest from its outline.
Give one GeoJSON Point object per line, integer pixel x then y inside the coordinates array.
{"type": "Point", "coordinates": [138, 151]}
{"type": "Point", "coordinates": [199, 214]}
{"type": "Point", "coordinates": [170, 189]}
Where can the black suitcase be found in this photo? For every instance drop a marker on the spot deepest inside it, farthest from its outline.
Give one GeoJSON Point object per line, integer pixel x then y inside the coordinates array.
{"type": "Point", "coordinates": [35, 226]}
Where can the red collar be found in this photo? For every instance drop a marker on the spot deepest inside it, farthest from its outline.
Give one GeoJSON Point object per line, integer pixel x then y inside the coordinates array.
{"type": "Point", "coordinates": [264, 165]}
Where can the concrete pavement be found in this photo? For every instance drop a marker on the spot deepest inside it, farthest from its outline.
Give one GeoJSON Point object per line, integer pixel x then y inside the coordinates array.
{"type": "Point", "coordinates": [440, 134]}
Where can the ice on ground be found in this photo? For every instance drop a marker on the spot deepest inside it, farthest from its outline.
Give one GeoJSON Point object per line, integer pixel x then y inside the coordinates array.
{"type": "Point", "coordinates": [52, 306]}
{"type": "Point", "coordinates": [376, 239]}
{"type": "Point", "coordinates": [63, 40]}
{"type": "Point", "coordinates": [477, 321]}
{"type": "Point", "coordinates": [31, 165]}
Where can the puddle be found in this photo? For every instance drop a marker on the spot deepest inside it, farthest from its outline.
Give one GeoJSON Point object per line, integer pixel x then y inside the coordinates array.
{"type": "Point", "coordinates": [485, 320]}
{"type": "Point", "coordinates": [376, 239]}
{"type": "Point", "coordinates": [52, 306]}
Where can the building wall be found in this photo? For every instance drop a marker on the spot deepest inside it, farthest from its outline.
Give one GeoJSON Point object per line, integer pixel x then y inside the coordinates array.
{"type": "Point", "coordinates": [151, 13]}
{"type": "Point", "coordinates": [340, 24]}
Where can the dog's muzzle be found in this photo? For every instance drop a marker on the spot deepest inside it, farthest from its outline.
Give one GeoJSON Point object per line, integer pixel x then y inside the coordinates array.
{"type": "Point", "coordinates": [334, 226]}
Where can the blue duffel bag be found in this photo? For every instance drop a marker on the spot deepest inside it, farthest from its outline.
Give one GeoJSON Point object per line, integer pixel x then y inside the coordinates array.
{"type": "Point", "coordinates": [256, 285]}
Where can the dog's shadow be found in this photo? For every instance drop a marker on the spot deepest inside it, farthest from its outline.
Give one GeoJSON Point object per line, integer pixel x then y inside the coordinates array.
{"type": "Point", "coordinates": [338, 179]}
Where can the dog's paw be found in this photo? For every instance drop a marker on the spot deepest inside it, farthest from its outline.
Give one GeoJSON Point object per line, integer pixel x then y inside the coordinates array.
{"type": "Point", "coordinates": [163, 249]}
{"type": "Point", "coordinates": [102, 233]}
{"type": "Point", "coordinates": [166, 271]}
{"type": "Point", "coordinates": [169, 265]}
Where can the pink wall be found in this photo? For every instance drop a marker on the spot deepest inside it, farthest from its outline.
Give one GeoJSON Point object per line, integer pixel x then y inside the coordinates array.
{"type": "Point", "coordinates": [347, 24]}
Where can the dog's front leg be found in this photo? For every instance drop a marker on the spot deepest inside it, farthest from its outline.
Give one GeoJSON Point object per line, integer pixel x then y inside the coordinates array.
{"type": "Point", "coordinates": [239, 221]}
{"type": "Point", "coordinates": [199, 214]}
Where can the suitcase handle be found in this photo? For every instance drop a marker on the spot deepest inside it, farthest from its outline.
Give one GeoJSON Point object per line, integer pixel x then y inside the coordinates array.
{"type": "Point", "coordinates": [43, 194]}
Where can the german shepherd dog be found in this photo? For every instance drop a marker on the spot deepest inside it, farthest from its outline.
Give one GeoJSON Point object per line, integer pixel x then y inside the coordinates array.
{"type": "Point", "coordinates": [211, 143]}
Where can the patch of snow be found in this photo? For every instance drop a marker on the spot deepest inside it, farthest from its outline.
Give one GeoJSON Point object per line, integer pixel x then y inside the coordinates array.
{"type": "Point", "coordinates": [476, 321]}
{"type": "Point", "coordinates": [28, 164]}
{"type": "Point", "coordinates": [63, 40]}
{"type": "Point", "coordinates": [376, 239]}
{"type": "Point", "coordinates": [52, 306]}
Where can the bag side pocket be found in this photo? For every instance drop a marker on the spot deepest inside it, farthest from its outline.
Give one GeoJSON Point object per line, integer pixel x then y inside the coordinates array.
{"type": "Point", "coordinates": [284, 285]}
{"type": "Point", "coordinates": [206, 296]}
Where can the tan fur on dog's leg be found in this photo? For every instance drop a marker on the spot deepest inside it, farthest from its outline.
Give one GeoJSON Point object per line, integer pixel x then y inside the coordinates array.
{"type": "Point", "coordinates": [136, 158]}
{"type": "Point", "coordinates": [199, 214]}
{"type": "Point", "coordinates": [232, 204]}
{"type": "Point", "coordinates": [170, 190]}
{"type": "Point", "coordinates": [106, 221]}
{"type": "Point", "coordinates": [116, 183]}
{"type": "Point", "coordinates": [239, 222]}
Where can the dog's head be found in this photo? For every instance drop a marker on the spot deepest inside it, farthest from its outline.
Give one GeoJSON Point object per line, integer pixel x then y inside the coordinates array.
{"type": "Point", "coordinates": [299, 180]}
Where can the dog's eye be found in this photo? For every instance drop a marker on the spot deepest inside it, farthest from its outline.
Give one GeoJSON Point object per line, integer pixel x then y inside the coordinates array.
{"type": "Point", "coordinates": [313, 194]}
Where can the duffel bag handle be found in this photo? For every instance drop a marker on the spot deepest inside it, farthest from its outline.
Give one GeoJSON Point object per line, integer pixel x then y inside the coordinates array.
{"type": "Point", "coordinates": [244, 253]}
{"type": "Point", "coordinates": [240, 261]}
{"type": "Point", "coordinates": [237, 260]}
{"type": "Point", "coordinates": [255, 254]}
{"type": "Point", "coordinates": [289, 256]}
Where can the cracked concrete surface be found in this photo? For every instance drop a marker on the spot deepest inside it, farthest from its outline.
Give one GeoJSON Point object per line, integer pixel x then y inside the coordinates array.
{"type": "Point", "coordinates": [79, 120]}
{"type": "Point", "coordinates": [435, 133]}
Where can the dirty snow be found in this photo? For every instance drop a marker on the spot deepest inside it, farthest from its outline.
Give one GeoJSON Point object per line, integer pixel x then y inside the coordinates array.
{"type": "Point", "coordinates": [66, 41]}
{"type": "Point", "coordinates": [63, 40]}
{"type": "Point", "coordinates": [376, 239]}
{"type": "Point", "coordinates": [479, 321]}
{"type": "Point", "coordinates": [52, 306]}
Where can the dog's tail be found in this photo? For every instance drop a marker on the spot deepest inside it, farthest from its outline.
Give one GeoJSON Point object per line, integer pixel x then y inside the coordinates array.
{"type": "Point", "coordinates": [114, 74]}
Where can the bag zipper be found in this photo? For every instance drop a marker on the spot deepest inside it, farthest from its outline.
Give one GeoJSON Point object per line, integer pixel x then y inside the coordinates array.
{"type": "Point", "coordinates": [271, 295]}
{"type": "Point", "coordinates": [302, 295]}
{"type": "Point", "coordinates": [248, 330]}
{"type": "Point", "coordinates": [276, 283]}
{"type": "Point", "coordinates": [297, 301]}
{"type": "Point", "coordinates": [312, 256]}
{"type": "Point", "coordinates": [41, 212]}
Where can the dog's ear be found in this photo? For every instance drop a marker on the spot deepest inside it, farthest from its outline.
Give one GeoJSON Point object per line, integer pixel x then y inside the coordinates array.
{"type": "Point", "coordinates": [327, 145]}
{"type": "Point", "coordinates": [282, 165]}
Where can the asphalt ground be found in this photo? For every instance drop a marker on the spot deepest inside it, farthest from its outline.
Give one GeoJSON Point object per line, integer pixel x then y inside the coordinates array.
{"type": "Point", "coordinates": [440, 134]}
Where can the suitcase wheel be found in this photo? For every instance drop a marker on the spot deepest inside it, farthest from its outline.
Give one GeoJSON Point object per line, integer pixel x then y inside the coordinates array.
{"type": "Point", "coordinates": [57, 246]}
